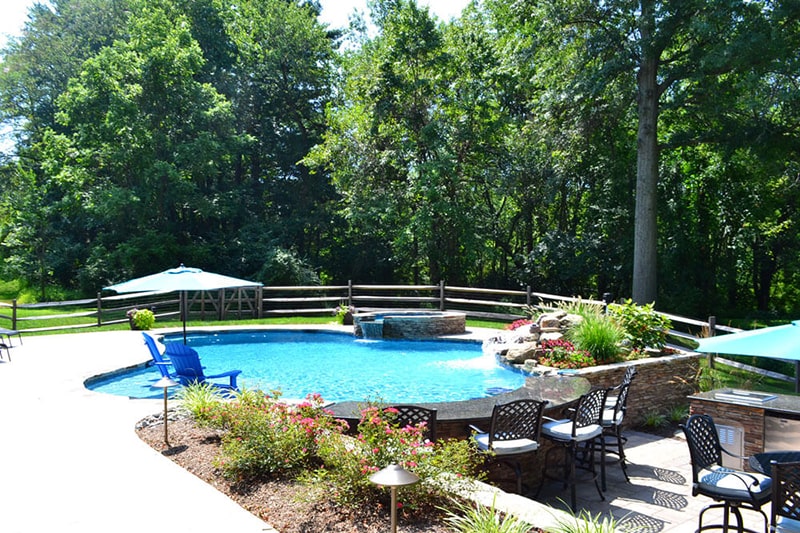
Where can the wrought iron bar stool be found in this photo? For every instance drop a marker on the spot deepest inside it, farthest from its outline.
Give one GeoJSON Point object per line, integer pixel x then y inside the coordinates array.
{"type": "Point", "coordinates": [513, 431]}
{"type": "Point", "coordinates": [576, 438]}
{"type": "Point", "coordinates": [735, 490]}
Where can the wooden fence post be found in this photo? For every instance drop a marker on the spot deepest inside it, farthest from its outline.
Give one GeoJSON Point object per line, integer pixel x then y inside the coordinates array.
{"type": "Point", "coordinates": [528, 295]}
{"type": "Point", "coordinates": [99, 311]}
{"type": "Point", "coordinates": [442, 305]}
{"type": "Point", "coordinates": [259, 302]}
{"type": "Point", "coordinates": [349, 293]}
{"type": "Point", "coordinates": [14, 314]}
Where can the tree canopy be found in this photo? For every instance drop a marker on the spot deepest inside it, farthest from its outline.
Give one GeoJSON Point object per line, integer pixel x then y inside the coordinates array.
{"type": "Point", "coordinates": [647, 149]}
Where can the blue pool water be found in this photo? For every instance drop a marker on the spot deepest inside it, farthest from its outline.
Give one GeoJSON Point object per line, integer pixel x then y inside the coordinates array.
{"type": "Point", "coordinates": [338, 366]}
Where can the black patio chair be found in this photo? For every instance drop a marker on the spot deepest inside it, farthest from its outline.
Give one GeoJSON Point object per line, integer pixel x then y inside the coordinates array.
{"type": "Point", "coordinates": [627, 378]}
{"type": "Point", "coordinates": [785, 498]}
{"type": "Point", "coordinates": [612, 439]}
{"type": "Point", "coordinates": [413, 415]}
{"type": "Point", "coordinates": [735, 490]}
{"type": "Point", "coordinates": [577, 437]}
{"type": "Point", "coordinates": [513, 432]}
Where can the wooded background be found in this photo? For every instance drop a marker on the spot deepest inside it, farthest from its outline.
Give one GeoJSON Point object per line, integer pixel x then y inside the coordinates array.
{"type": "Point", "coordinates": [646, 149]}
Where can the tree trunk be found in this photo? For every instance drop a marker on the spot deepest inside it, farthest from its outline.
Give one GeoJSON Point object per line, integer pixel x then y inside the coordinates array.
{"type": "Point", "coordinates": [645, 222]}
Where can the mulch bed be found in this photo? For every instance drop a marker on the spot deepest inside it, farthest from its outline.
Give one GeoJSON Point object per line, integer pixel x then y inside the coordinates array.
{"type": "Point", "coordinates": [274, 501]}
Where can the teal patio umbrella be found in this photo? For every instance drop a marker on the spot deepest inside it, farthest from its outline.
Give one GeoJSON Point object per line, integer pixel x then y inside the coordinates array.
{"type": "Point", "coordinates": [777, 342]}
{"type": "Point", "coordinates": [181, 279]}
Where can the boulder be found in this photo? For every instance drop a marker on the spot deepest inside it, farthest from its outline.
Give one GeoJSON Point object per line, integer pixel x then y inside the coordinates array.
{"type": "Point", "coordinates": [551, 336]}
{"type": "Point", "coordinates": [518, 353]}
{"type": "Point", "coordinates": [550, 322]}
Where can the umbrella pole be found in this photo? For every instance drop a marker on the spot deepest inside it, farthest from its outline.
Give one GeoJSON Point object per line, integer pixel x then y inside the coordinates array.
{"type": "Point", "coordinates": [797, 376]}
{"type": "Point", "coordinates": [183, 314]}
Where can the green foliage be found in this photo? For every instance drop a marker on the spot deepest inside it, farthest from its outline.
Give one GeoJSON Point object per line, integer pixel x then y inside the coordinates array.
{"type": "Point", "coordinates": [201, 401]}
{"type": "Point", "coordinates": [598, 335]}
{"type": "Point", "coordinates": [678, 414]}
{"type": "Point", "coordinates": [643, 326]}
{"type": "Point", "coordinates": [655, 419]}
{"type": "Point", "coordinates": [265, 436]}
{"type": "Point", "coordinates": [341, 311]}
{"type": "Point", "coordinates": [348, 462]}
{"type": "Point", "coordinates": [478, 518]}
{"type": "Point", "coordinates": [563, 354]}
{"type": "Point", "coordinates": [235, 137]}
{"type": "Point", "coordinates": [585, 522]}
{"type": "Point", "coordinates": [142, 319]}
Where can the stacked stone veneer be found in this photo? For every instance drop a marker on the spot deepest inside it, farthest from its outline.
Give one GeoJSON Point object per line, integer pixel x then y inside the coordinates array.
{"type": "Point", "coordinates": [411, 325]}
{"type": "Point", "coordinates": [661, 383]}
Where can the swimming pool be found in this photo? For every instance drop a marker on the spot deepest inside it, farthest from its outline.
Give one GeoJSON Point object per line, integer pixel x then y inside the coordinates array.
{"type": "Point", "coordinates": [338, 366]}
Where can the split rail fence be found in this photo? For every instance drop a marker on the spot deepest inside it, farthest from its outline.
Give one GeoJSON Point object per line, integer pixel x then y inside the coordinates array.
{"type": "Point", "coordinates": [264, 302]}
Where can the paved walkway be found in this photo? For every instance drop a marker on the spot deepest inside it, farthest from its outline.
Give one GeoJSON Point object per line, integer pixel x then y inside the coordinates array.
{"type": "Point", "coordinates": [70, 460]}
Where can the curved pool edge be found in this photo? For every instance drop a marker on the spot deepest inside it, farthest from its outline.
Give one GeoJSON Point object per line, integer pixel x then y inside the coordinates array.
{"type": "Point", "coordinates": [474, 335]}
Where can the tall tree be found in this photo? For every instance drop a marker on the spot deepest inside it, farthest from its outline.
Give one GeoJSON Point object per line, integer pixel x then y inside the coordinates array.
{"type": "Point", "coordinates": [656, 46]}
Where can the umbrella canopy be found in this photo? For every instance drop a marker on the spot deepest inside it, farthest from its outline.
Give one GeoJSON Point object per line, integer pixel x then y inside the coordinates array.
{"type": "Point", "coordinates": [182, 279]}
{"type": "Point", "coordinates": [777, 342]}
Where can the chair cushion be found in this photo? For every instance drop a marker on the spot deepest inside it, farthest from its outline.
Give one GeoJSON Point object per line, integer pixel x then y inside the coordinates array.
{"type": "Point", "coordinates": [727, 484]}
{"type": "Point", "coordinates": [561, 430]}
{"type": "Point", "coordinates": [609, 419]}
{"type": "Point", "coordinates": [787, 525]}
{"type": "Point", "coordinates": [506, 447]}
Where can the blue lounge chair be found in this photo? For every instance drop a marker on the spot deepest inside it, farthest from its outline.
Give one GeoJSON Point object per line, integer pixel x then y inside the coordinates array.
{"type": "Point", "coordinates": [188, 369]}
{"type": "Point", "coordinates": [161, 362]}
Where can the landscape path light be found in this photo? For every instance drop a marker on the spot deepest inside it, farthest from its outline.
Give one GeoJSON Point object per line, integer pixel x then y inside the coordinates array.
{"type": "Point", "coordinates": [394, 476]}
{"type": "Point", "coordinates": [165, 383]}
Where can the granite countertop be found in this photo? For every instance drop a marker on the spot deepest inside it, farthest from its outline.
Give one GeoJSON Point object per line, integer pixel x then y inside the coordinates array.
{"type": "Point", "coordinates": [558, 390]}
{"type": "Point", "coordinates": [771, 402]}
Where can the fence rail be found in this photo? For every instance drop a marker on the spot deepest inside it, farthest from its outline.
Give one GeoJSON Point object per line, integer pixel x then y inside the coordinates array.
{"type": "Point", "coordinates": [253, 303]}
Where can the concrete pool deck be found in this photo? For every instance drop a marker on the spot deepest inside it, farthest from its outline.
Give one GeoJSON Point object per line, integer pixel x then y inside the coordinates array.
{"type": "Point", "coordinates": [70, 459]}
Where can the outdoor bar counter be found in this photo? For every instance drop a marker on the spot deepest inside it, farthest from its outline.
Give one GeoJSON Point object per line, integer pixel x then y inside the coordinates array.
{"type": "Point", "coordinates": [752, 422]}
{"type": "Point", "coordinates": [454, 418]}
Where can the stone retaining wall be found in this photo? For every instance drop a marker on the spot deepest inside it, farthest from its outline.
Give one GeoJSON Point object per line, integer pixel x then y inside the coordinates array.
{"type": "Point", "coordinates": [660, 383]}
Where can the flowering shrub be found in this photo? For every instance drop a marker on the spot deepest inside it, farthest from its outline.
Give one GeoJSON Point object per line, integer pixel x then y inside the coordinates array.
{"type": "Point", "coordinates": [265, 436]}
{"type": "Point", "coordinates": [262, 436]}
{"type": "Point", "coordinates": [348, 463]}
{"type": "Point", "coordinates": [562, 354]}
{"type": "Point", "coordinates": [519, 323]}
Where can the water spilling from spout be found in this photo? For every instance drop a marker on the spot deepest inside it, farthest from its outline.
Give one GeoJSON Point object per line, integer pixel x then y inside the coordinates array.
{"type": "Point", "coordinates": [372, 329]}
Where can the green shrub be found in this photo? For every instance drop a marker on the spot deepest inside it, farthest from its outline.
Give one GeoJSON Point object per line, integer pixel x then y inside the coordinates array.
{"type": "Point", "coordinates": [598, 335]}
{"type": "Point", "coordinates": [478, 518]}
{"type": "Point", "coordinates": [142, 319]}
{"type": "Point", "coordinates": [678, 414]}
{"type": "Point", "coordinates": [348, 462]}
{"type": "Point", "coordinates": [581, 308]}
{"type": "Point", "coordinates": [655, 420]}
{"type": "Point", "coordinates": [643, 327]}
{"type": "Point", "coordinates": [201, 400]}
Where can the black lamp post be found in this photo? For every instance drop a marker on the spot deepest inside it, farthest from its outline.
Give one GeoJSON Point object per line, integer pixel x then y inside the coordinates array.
{"type": "Point", "coordinates": [394, 476]}
{"type": "Point", "coordinates": [165, 383]}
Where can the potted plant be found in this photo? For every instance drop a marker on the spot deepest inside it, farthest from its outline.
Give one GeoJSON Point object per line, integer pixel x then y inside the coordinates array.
{"type": "Point", "coordinates": [141, 319]}
{"type": "Point", "coordinates": [344, 314]}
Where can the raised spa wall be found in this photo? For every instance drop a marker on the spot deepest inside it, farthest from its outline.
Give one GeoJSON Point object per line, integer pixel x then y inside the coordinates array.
{"type": "Point", "coordinates": [409, 324]}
